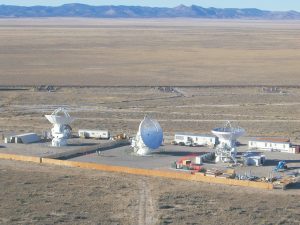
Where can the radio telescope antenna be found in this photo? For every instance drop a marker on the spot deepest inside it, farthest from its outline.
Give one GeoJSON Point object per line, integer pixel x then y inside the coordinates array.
{"type": "Point", "coordinates": [61, 130]}
{"type": "Point", "coordinates": [148, 137]}
{"type": "Point", "coordinates": [226, 150]}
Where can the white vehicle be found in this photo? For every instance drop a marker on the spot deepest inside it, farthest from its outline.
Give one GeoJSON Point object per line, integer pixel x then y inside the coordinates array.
{"type": "Point", "coordinates": [99, 134]}
{"type": "Point", "coordinates": [194, 139]}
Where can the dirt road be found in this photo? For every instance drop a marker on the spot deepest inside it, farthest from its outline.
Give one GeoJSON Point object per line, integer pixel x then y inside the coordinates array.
{"type": "Point", "coordinates": [147, 214]}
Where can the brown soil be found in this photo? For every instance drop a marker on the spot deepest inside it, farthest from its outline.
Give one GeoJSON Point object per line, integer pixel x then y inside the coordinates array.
{"type": "Point", "coordinates": [145, 52]}
{"type": "Point", "coordinates": [119, 110]}
{"type": "Point", "coordinates": [148, 52]}
{"type": "Point", "coordinates": [40, 194]}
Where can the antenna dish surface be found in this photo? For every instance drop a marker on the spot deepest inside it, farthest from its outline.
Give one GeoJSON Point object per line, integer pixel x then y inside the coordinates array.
{"type": "Point", "coordinates": [228, 132]}
{"type": "Point", "coordinates": [151, 133]}
{"type": "Point", "coordinates": [226, 150]}
{"type": "Point", "coordinates": [61, 130]}
{"type": "Point", "coordinates": [60, 116]}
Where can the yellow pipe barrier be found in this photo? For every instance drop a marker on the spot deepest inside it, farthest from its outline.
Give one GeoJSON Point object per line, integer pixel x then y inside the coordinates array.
{"type": "Point", "coordinates": [21, 158]}
{"type": "Point", "coordinates": [159, 173]}
{"type": "Point", "coordinates": [136, 171]}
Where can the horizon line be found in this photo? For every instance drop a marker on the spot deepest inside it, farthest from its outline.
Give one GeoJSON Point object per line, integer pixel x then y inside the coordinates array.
{"type": "Point", "coordinates": [291, 10]}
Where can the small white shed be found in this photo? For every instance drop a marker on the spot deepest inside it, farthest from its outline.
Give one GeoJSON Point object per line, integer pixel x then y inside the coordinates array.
{"type": "Point", "coordinates": [24, 138]}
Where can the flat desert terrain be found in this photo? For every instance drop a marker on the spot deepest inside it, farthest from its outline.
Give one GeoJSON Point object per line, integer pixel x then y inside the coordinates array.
{"type": "Point", "coordinates": [190, 75]}
{"type": "Point", "coordinates": [38, 194]}
{"type": "Point", "coordinates": [121, 109]}
{"type": "Point", "coordinates": [148, 52]}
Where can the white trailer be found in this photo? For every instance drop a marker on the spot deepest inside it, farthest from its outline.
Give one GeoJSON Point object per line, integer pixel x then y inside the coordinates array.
{"type": "Point", "coordinates": [99, 134]}
{"type": "Point", "coordinates": [268, 144]}
{"type": "Point", "coordinates": [188, 139]}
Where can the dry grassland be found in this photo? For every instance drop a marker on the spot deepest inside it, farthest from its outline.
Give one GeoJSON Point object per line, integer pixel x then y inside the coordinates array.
{"type": "Point", "coordinates": [92, 52]}
{"type": "Point", "coordinates": [120, 110]}
{"type": "Point", "coordinates": [148, 52]}
{"type": "Point", "coordinates": [39, 194]}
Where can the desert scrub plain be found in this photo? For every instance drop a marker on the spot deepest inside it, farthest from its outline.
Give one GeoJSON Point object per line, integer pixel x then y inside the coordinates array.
{"type": "Point", "coordinates": [137, 53]}
{"type": "Point", "coordinates": [148, 52]}
{"type": "Point", "coordinates": [260, 112]}
{"type": "Point", "coordinates": [226, 62]}
{"type": "Point", "coordinates": [40, 194]}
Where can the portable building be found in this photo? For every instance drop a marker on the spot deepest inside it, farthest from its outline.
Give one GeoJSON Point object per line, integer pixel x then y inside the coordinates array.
{"type": "Point", "coordinates": [188, 139]}
{"type": "Point", "coordinates": [270, 144]}
{"type": "Point", "coordinates": [101, 134]}
{"type": "Point", "coordinates": [24, 138]}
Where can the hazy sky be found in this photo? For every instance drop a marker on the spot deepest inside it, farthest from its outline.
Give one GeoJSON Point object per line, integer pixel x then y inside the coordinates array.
{"type": "Point", "coordinates": [261, 4]}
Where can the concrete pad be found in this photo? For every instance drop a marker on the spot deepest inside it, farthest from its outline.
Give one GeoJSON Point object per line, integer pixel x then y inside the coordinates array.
{"type": "Point", "coordinates": [45, 149]}
{"type": "Point", "coordinates": [163, 157]}
{"type": "Point", "coordinates": [124, 156]}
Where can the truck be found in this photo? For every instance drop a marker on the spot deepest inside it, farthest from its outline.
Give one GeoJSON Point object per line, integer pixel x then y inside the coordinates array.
{"type": "Point", "coordinates": [187, 163]}
{"type": "Point", "coordinates": [281, 167]}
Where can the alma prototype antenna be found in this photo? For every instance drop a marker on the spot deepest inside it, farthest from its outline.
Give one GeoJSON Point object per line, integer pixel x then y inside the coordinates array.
{"type": "Point", "coordinates": [61, 130]}
{"type": "Point", "coordinates": [226, 150]}
{"type": "Point", "coordinates": [148, 137]}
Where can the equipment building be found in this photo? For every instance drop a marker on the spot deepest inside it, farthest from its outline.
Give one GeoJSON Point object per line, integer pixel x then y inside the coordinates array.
{"type": "Point", "coordinates": [273, 144]}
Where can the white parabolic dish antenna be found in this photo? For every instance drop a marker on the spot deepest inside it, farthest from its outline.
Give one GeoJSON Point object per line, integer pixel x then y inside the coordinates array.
{"type": "Point", "coordinates": [60, 116]}
{"type": "Point", "coordinates": [226, 150]}
{"type": "Point", "coordinates": [228, 134]}
{"type": "Point", "coordinates": [149, 136]}
{"type": "Point", "coordinates": [60, 132]}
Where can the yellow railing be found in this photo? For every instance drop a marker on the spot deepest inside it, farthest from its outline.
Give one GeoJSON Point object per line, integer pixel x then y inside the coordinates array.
{"type": "Point", "coordinates": [137, 171]}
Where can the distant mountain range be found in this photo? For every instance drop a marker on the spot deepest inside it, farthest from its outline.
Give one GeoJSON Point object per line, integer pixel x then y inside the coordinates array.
{"type": "Point", "coordinates": [81, 10]}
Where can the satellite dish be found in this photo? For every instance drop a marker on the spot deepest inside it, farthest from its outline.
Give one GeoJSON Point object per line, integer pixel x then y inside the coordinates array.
{"type": "Point", "coordinates": [149, 136]}
{"type": "Point", "coordinates": [226, 150]}
{"type": "Point", "coordinates": [228, 134]}
{"type": "Point", "coordinates": [61, 130]}
{"type": "Point", "coordinates": [60, 116]}
{"type": "Point", "coordinates": [151, 133]}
